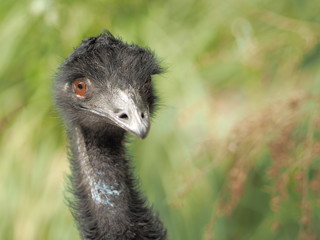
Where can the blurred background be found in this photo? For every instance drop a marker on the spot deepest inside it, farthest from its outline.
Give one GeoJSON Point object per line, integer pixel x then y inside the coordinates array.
{"type": "Point", "coordinates": [234, 150]}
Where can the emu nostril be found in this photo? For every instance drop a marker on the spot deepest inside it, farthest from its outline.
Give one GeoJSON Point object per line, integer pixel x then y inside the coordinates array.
{"type": "Point", "coordinates": [142, 115]}
{"type": "Point", "coordinates": [123, 116]}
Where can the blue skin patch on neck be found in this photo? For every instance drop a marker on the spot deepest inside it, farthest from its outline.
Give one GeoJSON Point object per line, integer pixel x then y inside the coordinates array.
{"type": "Point", "coordinates": [103, 193]}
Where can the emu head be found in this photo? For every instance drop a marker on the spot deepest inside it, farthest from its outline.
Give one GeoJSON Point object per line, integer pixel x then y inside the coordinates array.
{"type": "Point", "coordinates": [106, 82]}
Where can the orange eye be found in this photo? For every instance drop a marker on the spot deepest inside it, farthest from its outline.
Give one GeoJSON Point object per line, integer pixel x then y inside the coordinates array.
{"type": "Point", "coordinates": [80, 87]}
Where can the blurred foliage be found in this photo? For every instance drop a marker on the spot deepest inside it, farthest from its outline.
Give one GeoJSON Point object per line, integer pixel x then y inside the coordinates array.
{"type": "Point", "coordinates": [234, 151]}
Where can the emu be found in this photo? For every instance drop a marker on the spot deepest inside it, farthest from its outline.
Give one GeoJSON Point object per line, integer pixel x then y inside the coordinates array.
{"type": "Point", "coordinates": [104, 90]}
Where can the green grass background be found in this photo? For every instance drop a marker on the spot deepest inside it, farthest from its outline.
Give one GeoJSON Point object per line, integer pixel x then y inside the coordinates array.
{"type": "Point", "coordinates": [233, 152]}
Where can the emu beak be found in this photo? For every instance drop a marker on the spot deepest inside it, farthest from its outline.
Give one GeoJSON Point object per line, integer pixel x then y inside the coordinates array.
{"type": "Point", "coordinates": [133, 120]}
{"type": "Point", "coordinates": [131, 114]}
{"type": "Point", "coordinates": [126, 111]}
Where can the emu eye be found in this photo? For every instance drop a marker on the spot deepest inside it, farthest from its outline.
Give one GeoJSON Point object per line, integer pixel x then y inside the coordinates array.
{"type": "Point", "coordinates": [80, 87]}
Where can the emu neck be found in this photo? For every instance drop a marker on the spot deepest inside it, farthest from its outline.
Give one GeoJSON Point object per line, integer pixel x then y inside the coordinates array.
{"type": "Point", "coordinates": [107, 203]}
{"type": "Point", "coordinates": [103, 165]}
{"type": "Point", "coordinates": [99, 173]}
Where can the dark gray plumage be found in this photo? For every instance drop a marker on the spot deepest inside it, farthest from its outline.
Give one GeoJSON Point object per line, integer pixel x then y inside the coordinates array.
{"type": "Point", "coordinates": [103, 90]}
